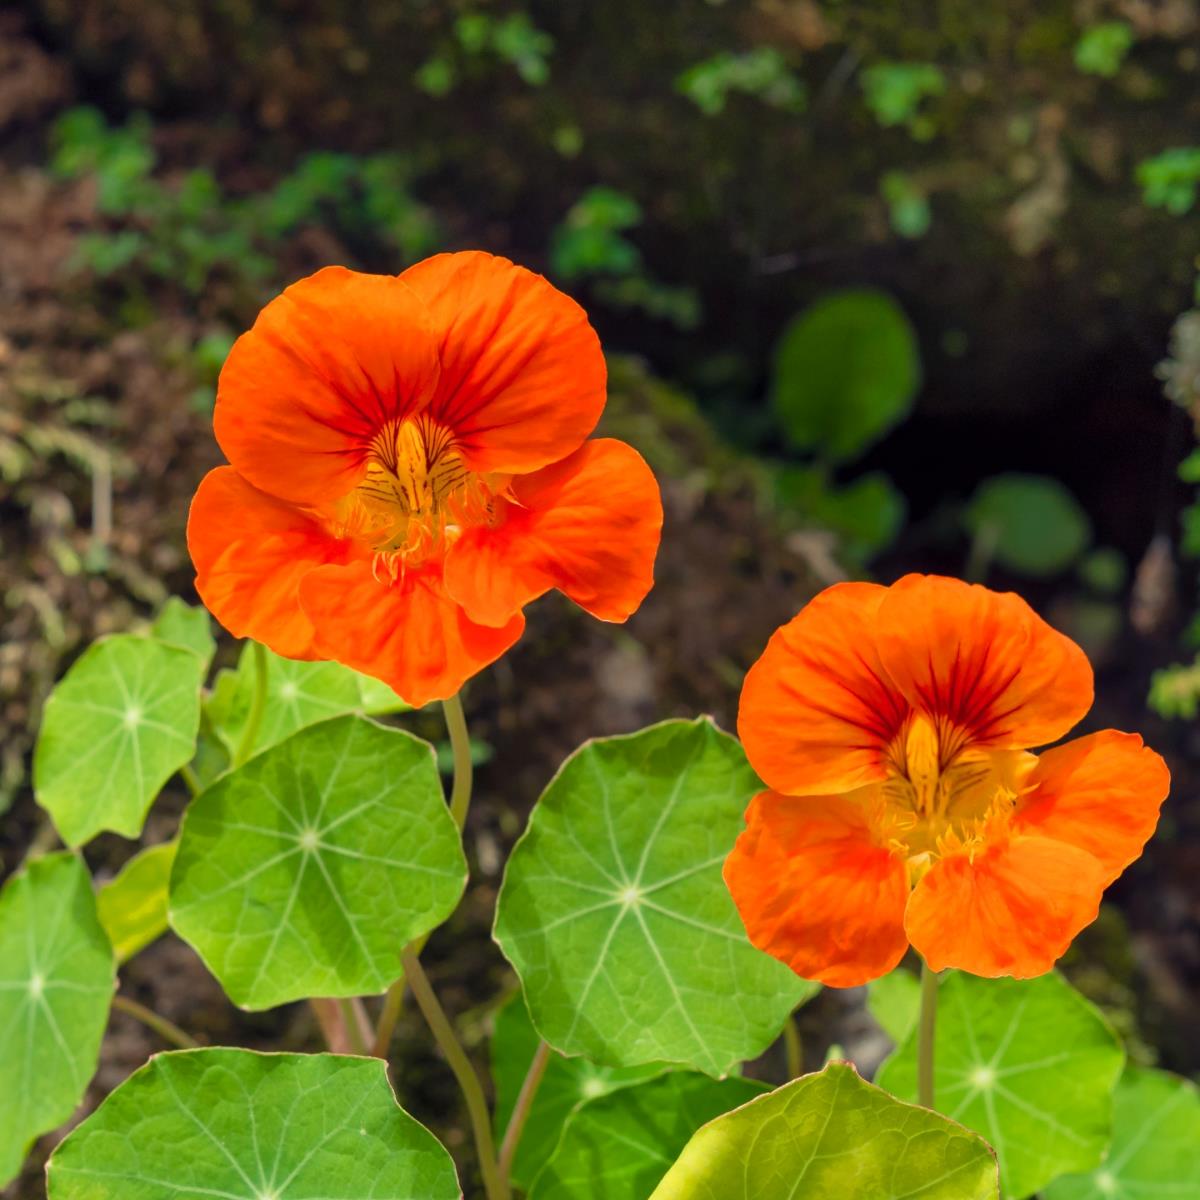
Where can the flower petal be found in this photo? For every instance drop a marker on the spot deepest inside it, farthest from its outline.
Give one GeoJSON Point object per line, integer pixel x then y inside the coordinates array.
{"type": "Point", "coordinates": [815, 891]}
{"type": "Point", "coordinates": [250, 552]}
{"type": "Point", "coordinates": [588, 525]}
{"type": "Point", "coordinates": [817, 710]}
{"type": "Point", "coordinates": [1013, 911]}
{"type": "Point", "coordinates": [1101, 793]}
{"type": "Point", "coordinates": [326, 365]}
{"type": "Point", "coordinates": [410, 634]}
{"type": "Point", "coordinates": [983, 661]}
{"type": "Point", "coordinates": [523, 376]}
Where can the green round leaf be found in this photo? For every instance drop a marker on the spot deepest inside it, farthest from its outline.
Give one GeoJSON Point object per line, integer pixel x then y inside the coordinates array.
{"type": "Point", "coordinates": [1031, 523]}
{"type": "Point", "coordinates": [1155, 1151]}
{"type": "Point", "coordinates": [56, 984]}
{"type": "Point", "coordinates": [567, 1082]}
{"type": "Point", "coordinates": [120, 723]}
{"type": "Point", "coordinates": [181, 624]}
{"type": "Point", "coordinates": [832, 1136]}
{"type": "Point", "coordinates": [304, 872]}
{"type": "Point", "coordinates": [238, 1125]}
{"type": "Point", "coordinates": [894, 1000]}
{"type": "Point", "coordinates": [1029, 1064]}
{"type": "Point", "coordinates": [846, 371]}
{"type": "Point", "coordinates": [617, 1147]}
{"type": "Point", "coordinates": [299, 694]}
{"type": "Point", "coordinates": [615, 916]}
{"type": "Point", "coordinates": [133, 906]}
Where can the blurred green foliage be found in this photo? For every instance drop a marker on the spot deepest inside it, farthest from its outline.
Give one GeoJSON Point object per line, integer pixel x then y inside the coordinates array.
{"type": "Point", "coordinates": [1175, 691]}
{"type": "Point", "coordinates": [908, 205]}
{"type": "Point", "coordinates": [187, 230]}
{"type": "Point", "coordinates": [480, 37]}
{"type": "Point", "coordinates": [1102, 48]}
{"type": "Point", "coordinates": [1030, 524]}
{"type": "Point", "coordinates": [1169, 180]}
{"type": "Point", "coordinates": [895, 92]}
{"type": "Point", "coordinates": [762, 72]}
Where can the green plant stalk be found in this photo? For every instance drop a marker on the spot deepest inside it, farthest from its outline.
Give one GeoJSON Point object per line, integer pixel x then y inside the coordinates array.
{"type": "Point", "coordinates": [189, 777]}
{"type": "Point", "coordinates": [167, 1030]}
{"type": "Point", "coordinates": [354, 1033]}
{"type": "Point", "coordinates": [520, 1112]}
{"type": "Point", "coordinates": [460, 745]}
{"type": "Point", "coordinates": [926, 1032]}
{"type": "Point", "coordinates": [258, 707]}
{"type": "Point", "coordinates": [439, 1025]}
{"type": "Point", "coordinates": [793, 1048]}
{"type": "Point", "coordinates": [460, 800]}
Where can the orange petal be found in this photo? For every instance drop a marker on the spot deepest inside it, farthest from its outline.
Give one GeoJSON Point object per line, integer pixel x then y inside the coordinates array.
{"type": "Point", "coordinates": [327, 364]}
{"type": "Point", "coordinates": [1013, 911]}
{"type": "Point", "coordinates": [1101, 793]}
{"type": "Point", "coordinates": [523, 376]}
{"type": "Point", "coordinates": [815, 891]}
{"type": "Point", "coordinates": [817, 710]}
{"type": "Point", "coordinates": [250, 552]}
{"type": "Point", "coordinates": [588, 525]}
{"type": "Point", "coordinates": [409, 634]}
{"type": "Point", "coordinates": [982, 661]}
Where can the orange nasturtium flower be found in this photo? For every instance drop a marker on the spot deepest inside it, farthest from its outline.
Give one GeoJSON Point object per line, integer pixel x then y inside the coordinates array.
{"type": "Point", "coordinates": [410, 466]}
{"type": "Point", "coordinates": [892, 725]}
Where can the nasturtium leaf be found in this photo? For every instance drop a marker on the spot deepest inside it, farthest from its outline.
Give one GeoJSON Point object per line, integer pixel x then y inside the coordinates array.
{"type": "Point", "coordinates": [56, 984]}
{"type": "Point", "coordinates": [1029, 1064]}
{"type": "Point", "coordinates": [846, 371]}
{"type": "Point", "coordinates": [615, 916]}
{"type": "Point", "coordinates": [566, 1083]}
{"type": "Point", "coordinates": [894, 1001]}
{"type": "Point", "coordinates": [133, 906]}
{"type": "Point", "coordinates": [1031, 523]}
{"type": "Point", "coordinates": [832, 1136]}
{"type": "Point", "coordinates": [120, 723]}
{"type": "Point", "coordinates": [617, 1147]}
{"type": "Point", "coordinates": [182, 624]}
{"type": "Point", "coordinates": [304, 872]}
{"type": "Point", "coordinates": [245, 1126]}
{"type": "Point", "coordinates": [299, 694]}
{"type": "Point", "coordinates": [1155, 1151]}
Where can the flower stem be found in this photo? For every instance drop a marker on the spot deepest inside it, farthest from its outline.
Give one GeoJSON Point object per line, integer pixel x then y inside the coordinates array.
{"type": "Point", "coordinates": [460, 800]}
{"type": "Point", "coordinates": [926, 1030]}
{"type": "Point", "coordinates": [168, 1031]}
{"type": "Point", "coordinates": [520, 1112]}
{"type": "Point", "coordinates": [439, 1025]}
{"type": "Point", "coordinates": [460, 744]}
{"type": "Point", "coordinates": [258, 706]}
{"type": "Point", "coordinates": [354, 1033]}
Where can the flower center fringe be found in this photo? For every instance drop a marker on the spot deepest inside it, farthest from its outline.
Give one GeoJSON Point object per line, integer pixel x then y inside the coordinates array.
{"type": "Point", "coordinates": [941, 797]}
{"type": "Point", "coordinates": [417, 498]}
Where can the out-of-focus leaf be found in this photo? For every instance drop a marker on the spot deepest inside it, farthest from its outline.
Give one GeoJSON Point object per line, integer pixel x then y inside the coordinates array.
{"type": "Point", "coordinates": [1031, 523]}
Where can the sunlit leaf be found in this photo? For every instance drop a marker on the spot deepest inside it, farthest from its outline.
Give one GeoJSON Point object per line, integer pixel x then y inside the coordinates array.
{"type": "Point", "coordinates": [1029, 1064]}
{"type": "Point", "coordinates": [244, 1126]}
{"type": "Point", "coordinates": [306, 871]}
{"type": "Point", "coordinates": [1155, 1151]}
{"type": "Point", "coordinates": [1031, 523]}
{"type": "Point", "coordinates": [56, 984]}
{"type": "Point", "coordinates": [846, 371]}
{"type": "Point", "coordinates": [298, 694]}
{"type": "Point", "coordinates": [121, 722]}
{"type": "Point", "coordinates": [832, 1136]}
{"type": "Point", "coordinates": [181, 624]}
{"type": "Point", "coordinates": [614, 913]}
{"type": "Point", "coordinates": [133, 906]}
{"type": "Point", "coordinates": [894, 1001]}
{"type": "Point", "coordinates": [566, 1083]}
{"type": "Point", "coordinates": [618, 1147]}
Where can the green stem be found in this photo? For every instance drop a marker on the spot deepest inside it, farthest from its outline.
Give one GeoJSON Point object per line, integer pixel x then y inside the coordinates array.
{"type": "Point", "coordinates": [460, 1064]}
{"type": "Point", "coordinates": [520, 1112]}
{"type": "Point", "coordinates": [791, 1043]}
{"type": "Point", "coordinates": [460, 800]}
{"type": "Point", "coordinates": [258, 706]}
{"type": "Point", "coordinates": [926, 1033]}
{"type": "Point", "coordinates": [190, 778]}
{"type": "Point", "coordinates": [168, 1031]}
{"type": "Point", "coordinates": [460, 744]}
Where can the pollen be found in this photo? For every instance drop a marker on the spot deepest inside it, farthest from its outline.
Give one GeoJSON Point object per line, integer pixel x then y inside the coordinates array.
{"type": "Point", "coordinates": [417, 497]}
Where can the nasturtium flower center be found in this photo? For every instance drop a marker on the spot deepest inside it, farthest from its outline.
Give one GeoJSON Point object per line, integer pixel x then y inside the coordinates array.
{"type": "Point", "coordinates": [416, 498]}
{"type": "Point", "coordinates": [940, 797]}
